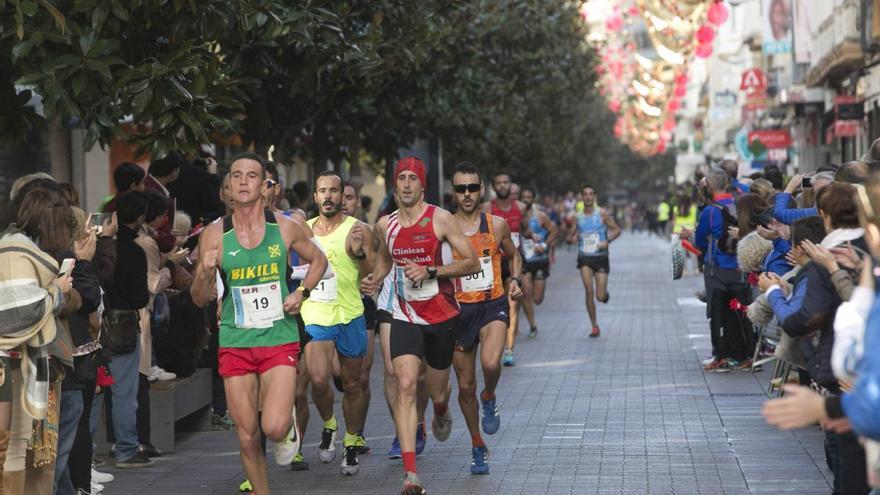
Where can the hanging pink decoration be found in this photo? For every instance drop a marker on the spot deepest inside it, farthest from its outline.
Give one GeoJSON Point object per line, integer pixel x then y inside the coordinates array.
{"type": "Point", "coordinates": [669, 124]}
{"type": "Point", "coordinates": [618, 128]}
{"type": "Point", "coordinates": [633, 11]}
{"type": "Point", "coordinates": [665, 135]}
{"type": "Point", "coordinates": [673, 105]}
{"type": "Point", "coordinates": [705, 34]}
{"type": "Point", "coordinates": [680, 91]}
{"type": "Point", "coordinates": [704, 50]}
{"type": "Point", "coordinates": [661, 147]}
{"type": "Point", "coordinates": [614, 23]}
{"type": "Point", "coordinates": [614, 105]}
{"type": "Point", "coordinates": [681, 79]}
{"type": "Point", "coordinates": [717, 13]}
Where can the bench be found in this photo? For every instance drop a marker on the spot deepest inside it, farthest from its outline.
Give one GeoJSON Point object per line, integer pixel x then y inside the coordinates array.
{"type": "Point", "coordinates": [184, 403]}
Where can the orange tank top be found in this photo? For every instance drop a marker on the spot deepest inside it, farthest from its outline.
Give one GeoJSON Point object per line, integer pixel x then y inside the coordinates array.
{"type": "Point", "coordinates": [486, 284]}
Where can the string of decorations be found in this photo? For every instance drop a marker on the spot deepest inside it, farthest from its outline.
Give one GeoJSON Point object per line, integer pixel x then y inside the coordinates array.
{"type": "Point", "coordinates": [646, 93]}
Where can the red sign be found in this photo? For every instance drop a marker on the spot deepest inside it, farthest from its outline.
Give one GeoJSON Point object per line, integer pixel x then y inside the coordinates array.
{"type": "Point", "coordinates": [753, 81]}
{"type": "Point", "coordinates": [845, 100]}
{"type": "Point", "coordinates": [846, 128]}
{"type": "Point", "coordinates": [771, 138]}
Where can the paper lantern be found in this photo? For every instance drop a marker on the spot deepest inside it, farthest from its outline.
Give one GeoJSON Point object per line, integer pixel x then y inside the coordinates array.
{"type": "Point", "coordinates": [681, 79]}
{"type": "Point", "coordinates": [705, 34]}
{"type": "Point", "coordinates": [704, 50]}
{"type": "Point", "coordinates": [614, 23]}
{"type": "Point", "coordinates": [673, 105]}
{"type": "Point", "coordinates": [717, 13]}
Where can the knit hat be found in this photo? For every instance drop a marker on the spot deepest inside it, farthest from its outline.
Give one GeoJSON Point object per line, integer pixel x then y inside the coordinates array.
{"type": "Point", "coordinates": [414, 165]}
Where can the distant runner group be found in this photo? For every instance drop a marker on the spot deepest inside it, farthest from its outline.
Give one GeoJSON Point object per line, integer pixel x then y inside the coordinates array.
{"type": "Point", "coordinates": [297, 309]}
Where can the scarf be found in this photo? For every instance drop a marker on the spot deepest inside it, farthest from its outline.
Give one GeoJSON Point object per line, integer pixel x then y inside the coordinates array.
{"type": "Point", "coordinates": [839, 236]}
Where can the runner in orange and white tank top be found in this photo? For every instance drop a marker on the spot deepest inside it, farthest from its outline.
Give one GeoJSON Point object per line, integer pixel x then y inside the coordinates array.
{"type": "Point", "coordinates": [424, 319]}
{"type": "Point", "coordinates": [512, 211]}
{"type": "Point", "coordinates": [484, 310]}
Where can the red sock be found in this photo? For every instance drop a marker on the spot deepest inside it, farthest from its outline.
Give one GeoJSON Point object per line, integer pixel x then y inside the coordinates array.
{"type": "Point", "coordinates": [409, 462]}
{"type": "Point", "coordinates": [486, 397]}
{"type": "Point", "coordinates": [440, 409]}
{"type": "Point", "coordinates": [477, 440]}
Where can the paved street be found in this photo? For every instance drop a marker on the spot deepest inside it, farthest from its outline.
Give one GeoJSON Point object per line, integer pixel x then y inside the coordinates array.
{"type": "Point", "coordinates": [631, 412]}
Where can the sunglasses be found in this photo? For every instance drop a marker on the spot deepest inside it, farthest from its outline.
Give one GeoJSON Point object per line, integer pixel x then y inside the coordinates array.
{"type": "Point", "coordinates": [463, 188]}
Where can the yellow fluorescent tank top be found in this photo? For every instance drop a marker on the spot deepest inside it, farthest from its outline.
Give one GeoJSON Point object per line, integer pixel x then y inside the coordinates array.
{"type": "Point", "coordinates": [336, 300]}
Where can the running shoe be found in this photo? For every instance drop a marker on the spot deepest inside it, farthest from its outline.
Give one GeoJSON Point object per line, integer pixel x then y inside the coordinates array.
{"type": "Point", "coordinates": [327, 449]}
{"type": "Point", "coordinates": [421, 438]}
{"type": "Point", "coordinates": [480, 460]}
{"type": "Point", "coordinates": [221, 421]}
{"type": "Point", "coordinates": [708, 360]}
{"type": "Point", "coordinates": [96, 488]}
{"type": "Point", "coordinates": [360, 445]}
{"type": "Point", "coordinates": [595, 332]}
{"type": "Point", "coordinates": [101, 477]}
{"type": "Point", "coordinates": [349, 461]}
{"type": "Point", "coordinates": [412, 485]}
{"type": "Point", "coordinates": [507, 358]}
{"type": "Point", "coordinates": [299, 463]}
{"type": "Point", "coordinates": [491, 418]}
{"type": "Point", "coordinates": [533, 332]}
{"type": "Point", "coordinates": [286, 449]}
{"type": "Point", "coordinates": [245, 486]}
{"type": "Point", "coordinates": [394, 451]}
{"type": "Point", "coordinates": [441, 426]}
{"type": "Point", "coordinates": [719, 365]}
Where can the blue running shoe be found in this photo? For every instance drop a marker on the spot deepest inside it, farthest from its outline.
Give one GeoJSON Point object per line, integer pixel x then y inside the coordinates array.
{"type": "Point", "coordinates": [394, 453]}
{"type": "Point", "coordinates": [421, 437]}
{"type": "Point", "coordinates": [479, 462]}
{"type": "Point", "coordinates": [507, 358]}
{"type": "Point", "coordinates": [491, 418]}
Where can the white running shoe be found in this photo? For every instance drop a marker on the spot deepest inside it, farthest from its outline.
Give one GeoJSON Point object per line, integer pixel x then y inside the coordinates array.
{"type": "Point", "coordinates": [441, 426]}
{"type": "Point", "coordinates": [158, 374]}
{"type": "Point", "coordinates": [286, 449]}
{"type": "Point", "coordinates": [96, 487]}
{"type": "Point", "coordinates": [100, 477]}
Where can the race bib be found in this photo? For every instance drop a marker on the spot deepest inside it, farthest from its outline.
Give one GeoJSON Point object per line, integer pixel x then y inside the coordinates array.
{"type": "Point", "coordinates": [416, 291]}
{"type": "Point", "coordinates": [528, 246]}
{"type": "Point", "coordinates": [590, 243]}
{"type": "Point", "coordinates": [482, 280]}
{"type": "Point", "coordinates": [515, 237]}
{"type": "Point", "coordinates": [257, 306]}
{"type": "Point", "coordinates": [325, 291]}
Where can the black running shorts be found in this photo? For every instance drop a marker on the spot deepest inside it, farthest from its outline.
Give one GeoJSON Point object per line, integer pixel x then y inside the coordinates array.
{"type": "Point", "coordinates": [539, 269]}
{"type": "Point", "coordinates": [370, 310]}
{"type": "Point", "coordinates": [383, 316]}
{"type": "Point", "coordinates": [598, 264]}
{"type": "Point", "coordinates": [433, 343]}
{"type": "Point", "coordinates": [475, 316]}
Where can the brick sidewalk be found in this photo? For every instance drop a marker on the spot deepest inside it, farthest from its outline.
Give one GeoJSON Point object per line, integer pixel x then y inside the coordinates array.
{"type": "Point", "coordinates": [630, 412]}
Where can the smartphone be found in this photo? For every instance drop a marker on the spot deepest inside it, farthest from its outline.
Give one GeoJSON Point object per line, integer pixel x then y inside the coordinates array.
{"type": "Point", "coordinates": [66, 266]}
{"type": "Point", "coordinates": [97, 219]}
{"type": "Point", "coordinates": [805, 182]}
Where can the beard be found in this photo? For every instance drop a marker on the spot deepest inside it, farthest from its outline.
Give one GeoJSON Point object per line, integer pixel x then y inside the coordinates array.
{"type": "Point", "coordinates": [503, 194]}
{"type": "Point", "coordinates": [337, 207]}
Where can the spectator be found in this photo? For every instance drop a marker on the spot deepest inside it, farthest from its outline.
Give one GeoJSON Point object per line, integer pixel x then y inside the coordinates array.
{"type": "Point", "coordinates": [32, 292]}
{"type": "Point", "coordinates": [129, 293]}
{"type": "Point", "coordinates": [731, 168]}
{"type": "Point", "coordinates": [773, 174]}
{"type": "Point", "coordinates": [128, 176]}
{"type": "Point", "coordinates": [854, 172]}
{"type": "Point", "coordinates": [762, 187]}
{"type": "Point", "coordinates": [732, 337]}
{"type": "Point", "coordinates": [196, 191]}
{"type": "Point", "coordinates": [781, 209]}
{"type": "Point", "coordinates": [163, 172]}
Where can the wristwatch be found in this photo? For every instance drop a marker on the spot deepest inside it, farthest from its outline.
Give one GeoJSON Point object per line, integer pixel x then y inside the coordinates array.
{"type": "Point", "coordinates": [518, 281]}
{"type": "Point", "coordinates": [432, 272]}
{"type": "Point", "coordinates": [306, 292]}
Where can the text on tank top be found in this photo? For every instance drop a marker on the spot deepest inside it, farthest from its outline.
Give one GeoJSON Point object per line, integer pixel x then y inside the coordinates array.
{"type": "Point", "coordinates": [485, 285]}
{"type": "Point", "coordinates": [428, 301]}
{"type": "Point", "coordinates": [255, 285]}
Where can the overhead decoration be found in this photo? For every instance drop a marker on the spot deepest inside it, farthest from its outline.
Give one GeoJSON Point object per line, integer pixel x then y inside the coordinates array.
{"type": "Point", "coordinates": [645, 85]}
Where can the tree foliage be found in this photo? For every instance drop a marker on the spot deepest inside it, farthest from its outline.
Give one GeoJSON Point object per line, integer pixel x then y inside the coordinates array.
{"type": "Point", "coordinates": [507, 84]}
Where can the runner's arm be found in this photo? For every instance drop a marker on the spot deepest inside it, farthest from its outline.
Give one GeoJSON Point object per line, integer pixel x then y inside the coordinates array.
{"type": "Point", "coordinates": [551, 228]}
{"type": "Point", "coordinates": [447, 229]}
{"type": "Point", "coordinates": [204, 284]}
{"type": "Point", "coordinates": [515, 262]}
{"type": "Point", "coordinates": [308, 252]}
{"type": "Point", "coordinates": [381, 259]}
{"type": "Point", "coordinates": [358, 245]}
{"type": "Point", "coordinates": [613, 228]}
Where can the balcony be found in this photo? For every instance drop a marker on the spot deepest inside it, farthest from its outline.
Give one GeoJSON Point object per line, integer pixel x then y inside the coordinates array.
{"type": "Point", "coordinates": [837, 48]}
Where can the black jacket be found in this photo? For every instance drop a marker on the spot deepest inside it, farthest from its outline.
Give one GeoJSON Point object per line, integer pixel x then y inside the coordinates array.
{"type": "Point", "coordinates": [129, 288]}
{"type": "Point", "coordinates": [85, 281]}
{"type": "Point", "coordinates": [197, 193]}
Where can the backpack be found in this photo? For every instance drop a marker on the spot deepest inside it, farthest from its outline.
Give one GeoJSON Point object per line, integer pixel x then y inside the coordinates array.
{"type": "Point", "coordinates": [725, 243]}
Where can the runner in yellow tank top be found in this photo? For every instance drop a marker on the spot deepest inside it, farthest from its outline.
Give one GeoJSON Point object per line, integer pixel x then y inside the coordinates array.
{"type": "Point", "coordinates": [334, 317]}
{"type": "Point", "coordinates": [262, 363]}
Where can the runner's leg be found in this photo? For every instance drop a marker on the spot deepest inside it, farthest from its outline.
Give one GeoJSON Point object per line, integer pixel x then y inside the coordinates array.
{"type": "Point", "coordinates": [352, 399]}
{"type": "Point", "coordinates": [390, 381]}
{"type": "Point", "coordinates": [538, 286]}
{"type": "Point", "coordinates": [278, 385]}
{"type": "Point", "coordinates": [527, 304]}
{"type": "Point", "coordinates": [601, 286]}
{"type": "Point", "coordinates": [465, 372]}
{"type": "Point", "coordinates": [587, 277]}
{"type": "Point", "coordinates": [242, 400]}
{"type": "Point", "coordinates": [364, 380]}
{"type": "Point", "coordinates": [302, 398]}
{"type": "Point", "coordinates": [319, 355]}
{"type": "Point", "coordinates": [406, 370]}
{"type": "Point", "coordinates": [513, 327]}
{"type": "Point", "coordinates": [491, 347]}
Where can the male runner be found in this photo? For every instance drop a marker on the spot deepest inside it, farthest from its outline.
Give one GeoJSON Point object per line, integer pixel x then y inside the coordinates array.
{"type": "Point", "coordinates": [334, 316]}
{"type": "Point", "coordinates": [351, 206]}
{"type": "Point", "coordinates": [537, 246]}
{"type": "Point", "coordinates": [259, 342]}
{"type": "Point", "coordinates": [512, 211]}
{"type": "Point", "coordinates": [484, 309]}
{"type": "Point", "coordinates": [594, 229]}
{"type": "Point", "coordinates": [425, 310]}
